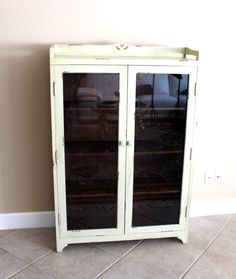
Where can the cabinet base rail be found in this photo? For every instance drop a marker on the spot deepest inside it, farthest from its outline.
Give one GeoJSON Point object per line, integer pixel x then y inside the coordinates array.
{"type": "Point", "coordinates": [63, 242]}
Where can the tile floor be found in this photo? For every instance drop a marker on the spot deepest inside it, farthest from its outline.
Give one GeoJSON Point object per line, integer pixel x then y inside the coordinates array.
{"type": "Point", "coordinates": [210, 253]}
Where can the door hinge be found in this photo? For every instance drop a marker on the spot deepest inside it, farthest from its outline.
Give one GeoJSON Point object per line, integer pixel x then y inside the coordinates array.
{"type": "Point", "coordinates": [56, 157]}
{"type": "Point", "coordinates": [195, 89]}
{"type": "Point", "coordinates": [186, 211]}
{"type": "Point", "coordinates": [53, 88]}
{"type": "Point", "coordinates": [190, 156]}
{"type": "Point", "coordinates": [59, 219]}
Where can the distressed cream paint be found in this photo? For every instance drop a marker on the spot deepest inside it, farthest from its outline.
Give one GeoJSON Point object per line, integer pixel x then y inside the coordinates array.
{"type": "Point", "coordinates": [128, 61]}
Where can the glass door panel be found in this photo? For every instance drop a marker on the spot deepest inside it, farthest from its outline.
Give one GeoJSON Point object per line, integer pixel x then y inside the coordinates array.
{"type": "Point", "coordinates": [91, 135]}
{"type": "Point", "coordinates": [159, 139]}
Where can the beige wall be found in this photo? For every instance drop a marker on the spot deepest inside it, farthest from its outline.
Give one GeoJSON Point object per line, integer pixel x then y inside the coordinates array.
{"type": "Point", "coordinates": [27, 28]}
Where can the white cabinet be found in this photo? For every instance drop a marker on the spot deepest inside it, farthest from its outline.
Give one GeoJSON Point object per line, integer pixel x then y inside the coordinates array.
{"type": "Point", "coordinates": [122, 136]}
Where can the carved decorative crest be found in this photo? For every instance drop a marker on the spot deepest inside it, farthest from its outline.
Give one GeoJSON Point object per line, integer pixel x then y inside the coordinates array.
{"type": "Point", "coordinates": [121, 46]}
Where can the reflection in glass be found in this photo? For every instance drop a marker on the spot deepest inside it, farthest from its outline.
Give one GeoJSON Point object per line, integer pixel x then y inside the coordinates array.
{"type": "Point", "coordinates": [160, 120]}
{"type": "Point", "coordinates": [91, 106]}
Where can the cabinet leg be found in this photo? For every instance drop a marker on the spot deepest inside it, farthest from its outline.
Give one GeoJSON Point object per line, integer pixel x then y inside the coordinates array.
{"type": "Point", "coordinates": [60, 246]}
{"type": "Point", "coordinates": [183, 236]}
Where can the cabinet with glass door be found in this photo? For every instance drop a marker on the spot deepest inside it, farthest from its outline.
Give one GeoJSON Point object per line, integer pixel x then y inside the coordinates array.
{"type": "Point", "coordinates": [122, 133]}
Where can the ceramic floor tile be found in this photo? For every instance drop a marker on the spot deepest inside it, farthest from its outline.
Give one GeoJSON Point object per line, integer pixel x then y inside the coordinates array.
{"type": "Point", "coordinates": [136, 269]}
{"type": "Point", "coordinates": [76, 261]}
{"type": "Point", "coordinates": [219, 261]}
{"type": "Point", "coordinates": [9, 264]}
{"type": "Point", "coordinates": [117, 248]}
{"type": "Point", "coordinates": [226, 242]}
{"type": "Point", "coordinates": [232, 225]}
{"type": "Point", "coordinates": [153, 259]}
{"type": "Point", "coordinates": [29, 244]}
{"type": "Point", "coordinates": [167, 258]}
{"type": "Point", "coordinates": [203, 229]}
{"type": "Point", "coordinates": [213, 266]}
{"type": "Point", "coordinates": [234, 218]}
{"type": "Point", "coordinates": [32, 273]}
{"type": "Point", "coordinates": [5, 232]}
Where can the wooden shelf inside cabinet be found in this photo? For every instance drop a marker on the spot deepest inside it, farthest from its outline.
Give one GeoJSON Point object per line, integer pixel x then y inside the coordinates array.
{"type": "Point", "coordinates": [159, 152]}
{"type": "Point", "coordinates": [95, 109]}
{"type": "Point", "coordinates": [91, 197]}
{"type": "Point", "coordinates": [147, 109]}
{"type": "Point", "coordinates": [91, 105]}
{"type": "Point", "coordinates": [110, 148]}
{"type": "Point", "coordinates": [86, 154]}
{"type": "Point", "coordinates": [158, 146]}
{"type": "Point", "coordinates": [156, 191]}
{"type": "Point", "coordinates": [75, 148]}
{"type": "Point", "coordinates": [91, 109]}
{"type": "Point", "coordinates": [149, 191]}
{"type": "Point", "coordinates": [92, 190]}
{"type": "Point", "coordinates": [102, 154]}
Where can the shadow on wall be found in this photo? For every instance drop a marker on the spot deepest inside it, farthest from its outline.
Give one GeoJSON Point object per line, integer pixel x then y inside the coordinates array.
{"type": "Point", "coordinates": [25, 138]}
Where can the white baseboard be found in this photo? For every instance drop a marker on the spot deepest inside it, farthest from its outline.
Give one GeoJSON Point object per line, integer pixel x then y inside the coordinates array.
{"type": "Point", "coordinates": [47, 219]}
{"type": "Point", "coordinates": [23, 220]}
{"type": "Point", "coordinates": [212, 207]}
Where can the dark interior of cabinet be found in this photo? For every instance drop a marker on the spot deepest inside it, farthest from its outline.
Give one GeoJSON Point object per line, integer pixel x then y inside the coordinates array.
{"type": "Point", "coordinates": [91, 107]}
{"type": "Point", "coordinates": [91, 110]}
{"type": "Point", "coordinates": [160, 121]}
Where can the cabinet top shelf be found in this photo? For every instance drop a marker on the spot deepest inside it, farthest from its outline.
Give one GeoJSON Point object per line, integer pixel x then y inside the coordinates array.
{"type": "Point", "coordinates": [125, 53]}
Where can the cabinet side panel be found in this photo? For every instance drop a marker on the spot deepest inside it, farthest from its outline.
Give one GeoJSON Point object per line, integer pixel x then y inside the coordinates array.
{"type": "Point", "coordinates": [53, 135]}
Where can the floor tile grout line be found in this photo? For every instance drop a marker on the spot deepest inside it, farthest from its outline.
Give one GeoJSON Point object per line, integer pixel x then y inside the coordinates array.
{"type": "Point", "coordinates": [103, 249]}
{"type": "Point", "coordinates": [38, 268]}
{"type": "Point", "coordinates": [19, 258]}
{"type": "Point", "coordinates": [119, 259]}
{"type": "Point", "coordinates": [231, 219]}
{"type": "Point", "coordinates": [5, 235]}
{"type": "Point", "coordinates": [10, 253]}
{"type": "Point", "coordinates": [30, 264]}
{"type": "Point", "coordinates": [18, 271]}
{"type": "Point", "coordinates": [206, 249]}
{"type": "Point", "coordinates": [46, 272]}
{"type": "Point", "coordinates": [43, 256]}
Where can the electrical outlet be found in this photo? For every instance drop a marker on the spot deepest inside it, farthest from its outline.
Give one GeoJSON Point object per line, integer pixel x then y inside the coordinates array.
{"type": "Point", "coordinates": [218, 178]}
{"type": "Point", "coordinates": [209, 177]}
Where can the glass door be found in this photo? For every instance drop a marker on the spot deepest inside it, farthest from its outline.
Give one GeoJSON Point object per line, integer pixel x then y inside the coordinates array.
{"type": "Point", "coordinates": [158, 146]}
{"type": "Point", "coordinates": [93, 110]}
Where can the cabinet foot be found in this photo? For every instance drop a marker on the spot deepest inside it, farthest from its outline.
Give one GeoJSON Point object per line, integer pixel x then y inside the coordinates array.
{"type": "Point", "coordinates": [61, 246]}
{"type": "Point", "coordinates": [183, 236]}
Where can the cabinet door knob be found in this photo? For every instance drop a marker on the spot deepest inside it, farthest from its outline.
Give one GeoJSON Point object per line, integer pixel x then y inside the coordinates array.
{"type": "Point", "coordinates": [128, 143]}
{"type": "Point", "coordinates": [121, 143]}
